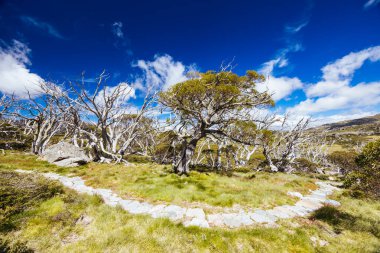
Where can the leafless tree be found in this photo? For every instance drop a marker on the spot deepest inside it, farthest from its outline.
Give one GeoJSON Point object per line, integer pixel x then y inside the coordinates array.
{"type": "Point", "coordinates": [43, 116]}
{"type": "Point", "coordinates": [104, 119]}
{"type": "Point", "coordinates": [280, 146]}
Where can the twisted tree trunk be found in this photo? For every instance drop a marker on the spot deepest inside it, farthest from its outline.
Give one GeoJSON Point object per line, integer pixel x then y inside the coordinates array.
{"type": "Point", "coordinates": [187, 152]}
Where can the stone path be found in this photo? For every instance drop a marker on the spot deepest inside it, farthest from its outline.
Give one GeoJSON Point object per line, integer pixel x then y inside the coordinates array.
{"type": "Point", "coordinates": [196, 216]}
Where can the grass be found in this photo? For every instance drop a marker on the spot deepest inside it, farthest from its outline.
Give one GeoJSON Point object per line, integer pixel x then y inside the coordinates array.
{"type": "Point", "coordinates": [55, 224]}
{"type": "Point", "coordinates": [156, 183]}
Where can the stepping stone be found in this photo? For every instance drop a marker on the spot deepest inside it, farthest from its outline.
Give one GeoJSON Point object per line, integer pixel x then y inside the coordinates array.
{"type": "Point", "coordinates": [195, 213]}
{"type": "Point", "coordinates": [332, 202]}
{"type": "Point", "coordinates": [215, 219]}
{"type": "Point", "coordinates": [279, 213]}
{"type": "Point", "coordinates": [295, 194]}
{"type": "Point", "coordinates": [130, 206]}
{"type": "Point", "coordinates": [286, 209]}
{"type": "Point", "coordinates": [157, 211]}
{"type": "Point", "coordinates": [197, 222]}
{"type": "Point", "coordinates": [262, 217]}
{"type": "Point", "coordinates": [174, 212]}
{"type": "Point", "coordinates": [309, 204]}
{"type": "Point", "coordinates": [140, 208]}
{"type": "Point", "coordinates": [234, 220]}
{"type": "Point", "coordinates": [112, 200]}
{"type": "Point", "coordinates": [299, 210]}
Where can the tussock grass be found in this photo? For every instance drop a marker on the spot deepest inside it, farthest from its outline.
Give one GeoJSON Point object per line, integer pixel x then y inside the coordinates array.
{"type": "Point", "coordinates": [54, 224]}
{"type": "Point", "coordinates": [156, 183]}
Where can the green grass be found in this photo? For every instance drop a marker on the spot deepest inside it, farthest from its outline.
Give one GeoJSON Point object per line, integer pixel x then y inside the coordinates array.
{"type": "Point", "coordinates": [156, 183]}
{"type": "Point", "coordinates": [52, 224]}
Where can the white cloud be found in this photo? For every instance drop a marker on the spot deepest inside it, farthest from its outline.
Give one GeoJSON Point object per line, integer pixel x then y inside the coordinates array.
{"type": "Point", "coordinates": [371, 3]}
{"type": "Point", "coordinates": [15, 77]}
{"type": "Point", "coordinates": [363, 94]}
{"type": "Point", "coordinates": [127, 92]}
{"type": "Point", "coordinates": [281, 87]}
{"type": "Point", "coordinates": [162, 72]}
{"type": "Point", "coordinates": [335, 90]}
{"type": "Point", "coordinates": [117, 29]}
{"type": "Point", "coordinates": [43, 26]}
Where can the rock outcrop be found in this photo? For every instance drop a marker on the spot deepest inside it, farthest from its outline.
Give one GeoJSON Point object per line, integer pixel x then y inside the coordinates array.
{"type": "Point", "coordinates": [65, 155]}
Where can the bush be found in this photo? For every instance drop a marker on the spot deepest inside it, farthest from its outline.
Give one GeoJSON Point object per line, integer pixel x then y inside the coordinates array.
{"type": "Point", "coordinates": [366, 177]}
{"type": "Point", "coordinates": [344, 221]}
{"type": "Point", "coordinates": [243, 169]}
{"type": "Point", "coordinates": [138, 159]}
{"type": "Point", "coordinates": [256, 160]}
{"type": "Point", "coordinates": [7, 246]}
{"type": "Point", "coordinates": [19, 192]}
{"type": "Point", "coordinates": [346, 161]}
{"type": "Point", "coordinates": [303, 164]}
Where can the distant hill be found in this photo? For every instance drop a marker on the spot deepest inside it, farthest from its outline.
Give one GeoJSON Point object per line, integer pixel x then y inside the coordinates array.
{"type": "Point", "coordinates": [366, 125]}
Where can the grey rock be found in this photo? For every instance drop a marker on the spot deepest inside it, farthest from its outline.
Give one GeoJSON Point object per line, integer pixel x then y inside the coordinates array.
{"type": "Point", "coordinates": [65, 155]}
{"type": "Point", "coordinates": [195, 213]}
{"type": "Point", "coordinates": [332, 202]}
{"type": "Point", "coordinates": [215, 219]}
{"type": "Point", "coordinates": [262, 217]}
{"type": "Point", "coordinates": [197, 222]}
{"type": "Point", "coordinates": [174, 212]}
{"type": "Point", "coordinates": [234, 220]}
{"type": "Point", "coordinates": [295, 194]}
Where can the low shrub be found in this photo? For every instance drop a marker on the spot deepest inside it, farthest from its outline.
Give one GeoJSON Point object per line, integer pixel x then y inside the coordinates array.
{"type": "Point", "coordinates": [18, 192]}
{"type": "Point", "coordinates": [366, 177]}
{"type": "Point", "coordinates": [340, 221]}
{"type": "Point", "coordinates": [6, 246]}
{"type": "Point", "coordinates": [138, 159]}
{"type": "Point", "coordinates": [303, 164]}
{"type": "Point", "coordinates": [346, 161]}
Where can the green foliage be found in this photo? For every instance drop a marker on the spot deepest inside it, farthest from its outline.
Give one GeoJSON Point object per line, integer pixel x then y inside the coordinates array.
{"type": "Point", "coordinates": [341, 221]}
{"type": "Point", "coordinates": [138, 159]}
{"type": "Point", "coordinates": [344, 160]}
{"type": "Point", "coordinates": [303, 164]}
{"type": "Point", "coordinates": [6, 246]}
{"type": "Point", "coordinates": [256, 160]}
{"type": "Point", "coordinates": [227, 90]}
{"type": "Point", "coordinates": [367, 177]}
{"type": "Point", "coordinates": [17, 193]}
{"type": "Point", "coordinates": [370, 154]}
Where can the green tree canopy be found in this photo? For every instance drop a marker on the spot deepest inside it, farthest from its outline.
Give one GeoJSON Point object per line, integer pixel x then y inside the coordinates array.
{"type": "Point", "coordinates": [209, 104]}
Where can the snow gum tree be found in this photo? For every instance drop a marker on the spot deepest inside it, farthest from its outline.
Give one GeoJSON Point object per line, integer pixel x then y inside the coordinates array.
{"type": "Point", "coordinates": [208, 105]}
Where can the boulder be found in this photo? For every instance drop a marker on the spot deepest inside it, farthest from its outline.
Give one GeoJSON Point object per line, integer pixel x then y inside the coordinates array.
{"type": "Point", "coordinates": [65, 155]}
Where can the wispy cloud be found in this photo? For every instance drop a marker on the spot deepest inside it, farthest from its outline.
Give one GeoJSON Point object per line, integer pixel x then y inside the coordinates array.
{"type": "Point", "coordinates": [371, 3]}
{"type": "Point", "coordinates": [117, 29]}
{"type": "Point", "coordinates": [121, 40]}
{"type": "Point", "coordinates": [336, 92]}
{"type": "Point", "coordinates": [46, 27]}
{"type": "Point", "coordinates": [296, 28]}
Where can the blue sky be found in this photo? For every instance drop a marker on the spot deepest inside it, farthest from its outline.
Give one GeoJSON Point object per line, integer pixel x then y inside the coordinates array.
{"type": "Point", "coordinates": [322, 58]}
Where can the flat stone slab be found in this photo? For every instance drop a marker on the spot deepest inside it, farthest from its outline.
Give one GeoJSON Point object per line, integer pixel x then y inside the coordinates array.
{"type": "Point", "coordinates": [197, 216]}
{"type": "Point", "coordinates": [262, 217]}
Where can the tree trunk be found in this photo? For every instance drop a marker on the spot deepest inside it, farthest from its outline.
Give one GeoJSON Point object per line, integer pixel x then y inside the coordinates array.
{"type": "Point", "coordinates": [273, 167]}
{"type": "Point", "coordinates": [218, 159]}
{"type": "Point", "coordinates": [188, 148]}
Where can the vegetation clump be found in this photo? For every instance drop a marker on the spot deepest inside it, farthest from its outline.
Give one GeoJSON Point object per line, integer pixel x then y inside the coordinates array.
{"type": "Point", "coordinates": [18, 193]}
{"type": "Point", "coordinates": [366, 177]}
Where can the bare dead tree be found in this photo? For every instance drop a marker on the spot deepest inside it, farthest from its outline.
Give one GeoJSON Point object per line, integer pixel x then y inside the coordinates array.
{"type": "Point", "coordinates": [43, 116]}
{"type": "Point", "coordinates": [280, 146]}
{"type": "Point", "coordinates": [104, 119]}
